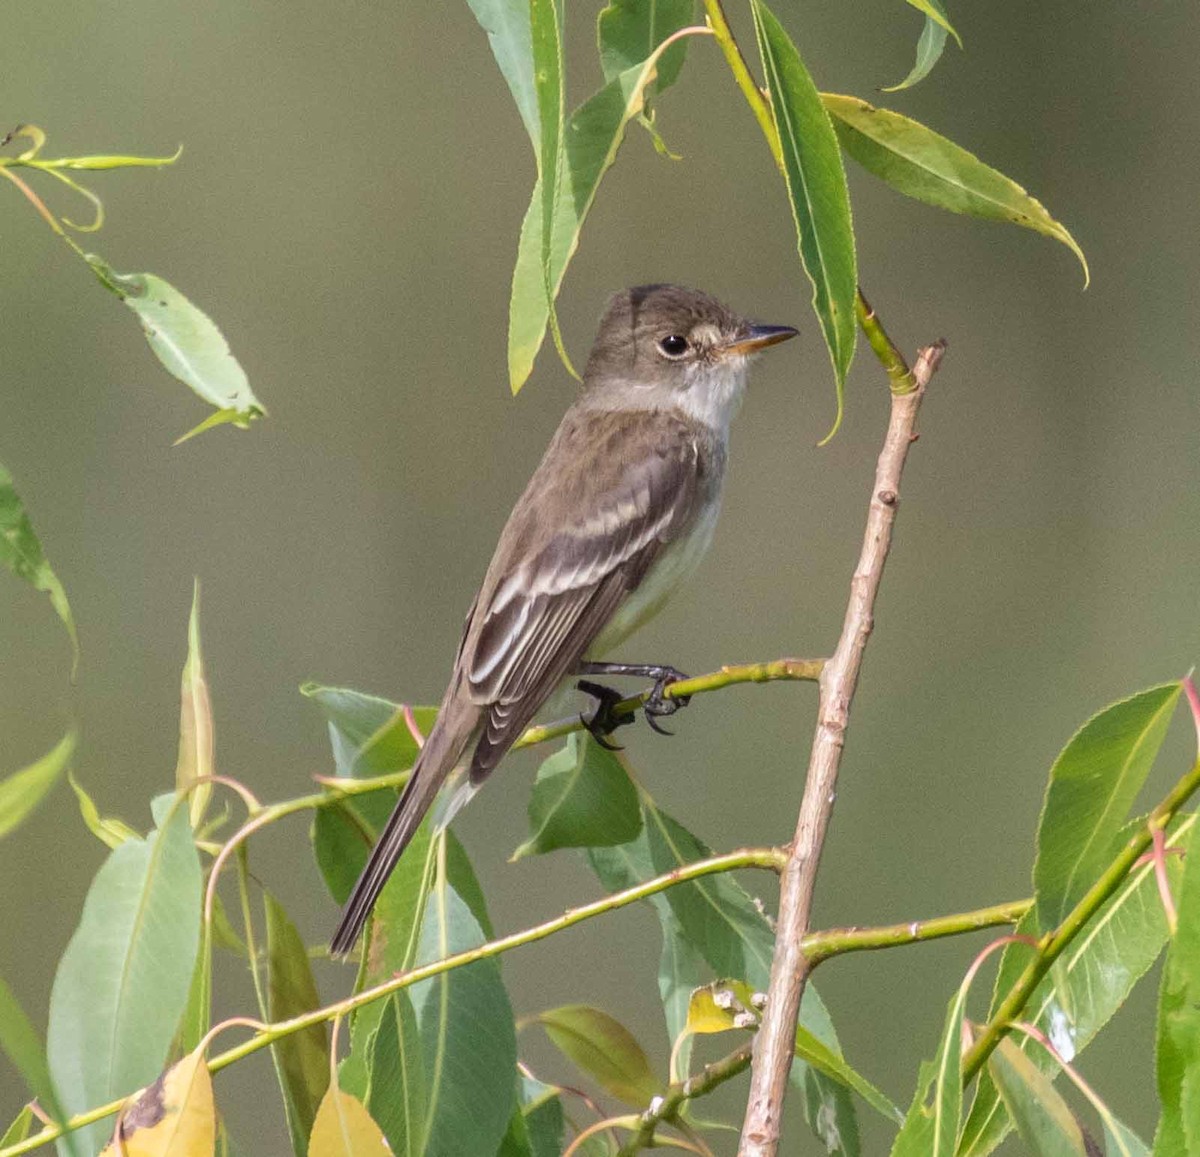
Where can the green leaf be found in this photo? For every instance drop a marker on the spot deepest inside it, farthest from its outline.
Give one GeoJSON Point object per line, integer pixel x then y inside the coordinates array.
{"type": "Point", "coordinates": [681, 969]}
{"type": "Point", "coordinates": [184, 339]}
{"type": "Point", "coordinates": [302, 1058]}
{"type": "Point", "coordinates": [726, 1005]}
{"type": "Point", "coordinates": [604, 1049]}
{"type": "Point", "coordinates": [122, 983]}
{"type": "Point", "coordinates": [21, 552]}
{"type": "Point", "coordinates": [817, 191]}
{"type": "Point", "coordinates": [397, 1094]}
{"type": "Point", "coordinates": [344, 1128]}
{"type": "Point", "coordinates": [931, 1125]}
{"type": "Point", "coordinates": [542, 1109]}
{"type": "Point", "coordinates": [1096, 974]}
{"type": "Point", "coordinates": [107, 829]}
{"type": "Point", "coordinates": [196, 735]}
{"type": "Point", "coordinates": [1179, 1024]}
{"type": "Point", "coordinates": [930, 45]}
{"type": "Point", "coordinates": [590, 142]}
{"type": "Point", "coordinates": [506, 23]}
{"type": "Point", "coordinates": [369, 735]}
{"type": "Point", "coordinates": [342, 838]}
{"type": "Point", "coordinates": [583, 796]}
{"type": "Point", "coordinates": [19, 1129]}
{"type": "Point", "coordinates": [467, 1034]}
{"type": "Point", "coordinates": [545, 18]}
{"type": "Point", "coordinates": [934, 11]}
{"type": "Point", "coordinates": [1043, 1120]}
{"type": "Point", "coordinates": [394, 937]}
{"type": "Point", "coordinates": [1093, 784]}
{"type": "Point", "coordinates": [723, 925]}
{"type": "Point", "coordinates": [22, 791]}
{"type": "Point", "coordinates": [924, 165]}
{"type": "Point", "coordinates": [628, 31]}
{"type": "Point", "coordinates": [197, 1015]}
{"type": "Point", "coordinates": [21, 1044]}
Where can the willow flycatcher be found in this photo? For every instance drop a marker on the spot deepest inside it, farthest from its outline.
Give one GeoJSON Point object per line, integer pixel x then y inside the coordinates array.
{"type": "Point", "coordinates": [620, 510]}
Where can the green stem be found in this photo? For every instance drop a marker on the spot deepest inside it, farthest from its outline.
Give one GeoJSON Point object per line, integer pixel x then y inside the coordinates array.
{"type": "Point", "coordinates": [1051, 946]}
{"type": "Point", "coordinates": [819, 946]}
{"type": "Point", "coordinates": [899, 375]}
{"type": "Point", "coordinates": [666, 1108]}
{"type": "Point", "coordinates": [759, 105]}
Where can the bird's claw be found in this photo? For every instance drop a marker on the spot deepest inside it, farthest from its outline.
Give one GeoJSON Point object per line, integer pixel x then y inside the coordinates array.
{"type": "Point", "coordinates": [605, 720]}
{"type": "Point", "coordinates": [657, 706]}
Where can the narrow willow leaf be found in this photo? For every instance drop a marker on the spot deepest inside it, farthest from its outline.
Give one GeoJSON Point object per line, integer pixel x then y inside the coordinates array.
{"type": "Point", "coordinates": [590, 142]}
{"type": "Point", "coordinates": [107, 829]}
{"type": "Point", "coordinates": [397, 1097]}
{"type": "Point", "coordinates": [344, 1128]}
{"type": "Point", "coordinates": [174, 1117]}
{"type": "Point", "coordinates": [924, 165]}
{"type": "Point", "coordinates": [680, 970]}
{"type": "Point", "coordinates": [122, 983]}
{"type": "Point", "coordinates": [628, 31]}
{"type": "Point", "coordinates": [1099, 970]}
{"type": "Point", "coordinates": [392, 947]}
{"type": "Point", "coordinates": [931, 1126]}
{"type": "Point", "coordinates": [930, 45]}
{"type": "Point", "coordinates": [721, 922]}
{"type": "Point", "coordinates": [184, 339]}
{"type": "Point", "coordinates": [1043, 1120]}
{"type": "Point", "coordinates": [22, 791]}
{"type": "Point", "coordinates": [604, 1049]}
{"type": "Point", "coordinates": [936, 12]}
{"type": "Point", "coordinates": [542, 1109]}
{"type": "Point", "coordinates": [20, 1042]}
{"type": "Point", "coordinates": [1179, 1025]}
{"type": "Point", "coordinates": [21, 552]}
{"type": "Point", "coordinates": [583, 797]}
{"type": "Point", "coordinates": [302, 1058]}
{"type": "Point", "coordinates": [467, 1035]}
{"type": "Point", "coordinates": [197, 1016]}
{"type": "Point", "coordinates": [506, 23]}
{"type": "Point", "coordinates": [817, 191]}
{"type": "Point", "coordinates": [196, 735]}
{"type": "Point", "coordinates": [545, 20]}
{"type": "Point", "coordinates": [1093, 784]}
{"type": "Point", "coordinates": [342, 838]}
{"type": "Point", "coordinates": [1120, 1140]}
{"type": "Point", "coordinates": [19, 1129]}
{"type": "Point", "coordinates": [821, 1057]}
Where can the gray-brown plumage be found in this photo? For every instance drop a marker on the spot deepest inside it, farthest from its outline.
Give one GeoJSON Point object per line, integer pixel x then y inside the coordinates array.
{"type": "Point", "coordinates": [620, 509]}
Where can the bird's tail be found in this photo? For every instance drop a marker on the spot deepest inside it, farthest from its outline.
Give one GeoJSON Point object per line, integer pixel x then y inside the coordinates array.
{"type": "Point", "coordinates": [441, 752]}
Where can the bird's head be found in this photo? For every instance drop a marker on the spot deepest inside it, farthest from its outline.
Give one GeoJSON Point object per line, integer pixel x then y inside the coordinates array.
{"type": "Point", "coordinates": [664, 346]}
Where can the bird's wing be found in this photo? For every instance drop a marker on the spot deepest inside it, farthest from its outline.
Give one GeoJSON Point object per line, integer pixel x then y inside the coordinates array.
{"type": "Point", "coordinates": [591, 523]}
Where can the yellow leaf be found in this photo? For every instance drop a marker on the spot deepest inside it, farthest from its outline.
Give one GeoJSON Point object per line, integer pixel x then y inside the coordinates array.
{"type": "Point", "coordinates": [722, 1006]}
{"type": "Point", "coordinates": [344, 1128]}
{"type": "Point", "coordinates": [174, 1117]}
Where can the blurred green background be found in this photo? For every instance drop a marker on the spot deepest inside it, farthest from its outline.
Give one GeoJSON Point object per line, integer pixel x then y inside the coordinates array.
{"type": "Point", "coordinates": [347, 209]}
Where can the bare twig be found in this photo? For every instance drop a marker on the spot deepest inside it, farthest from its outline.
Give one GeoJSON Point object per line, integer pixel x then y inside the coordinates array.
{"type": "Point", "coordinates": [790, 966]}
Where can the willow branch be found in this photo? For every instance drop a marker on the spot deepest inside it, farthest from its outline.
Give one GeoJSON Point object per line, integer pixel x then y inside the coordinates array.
{"type": "Point", "coordinates": [820, 946]}
{"type": "Point", "coordinates": [665, 1109]}
{"type": "Point", "coordinates": [790, 966]}
{"type": "Point", "coordinates": [1052, 945]}
{"type": "Point", "coordinates": [769, 858]}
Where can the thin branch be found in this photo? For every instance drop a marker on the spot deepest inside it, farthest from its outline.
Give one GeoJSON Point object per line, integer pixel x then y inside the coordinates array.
{"type": "Point", "coordinates": [790, 966]}
{"type": "Point", "coordinates": [1052, 945]}
{"type": "Point", "coordinates": [769, 858]}
{"type": "Point", "coordinates": [820, 946]}
{"type": "Point", "coordinates": [665, 1109]}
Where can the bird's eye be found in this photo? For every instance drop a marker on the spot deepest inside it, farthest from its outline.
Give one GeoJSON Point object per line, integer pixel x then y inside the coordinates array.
{"type": "Point", "coordinates": [674, 345]}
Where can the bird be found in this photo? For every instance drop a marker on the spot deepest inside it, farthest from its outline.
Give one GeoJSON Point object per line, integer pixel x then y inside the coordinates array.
{"type": "Point", "coordinates": [620, 510]}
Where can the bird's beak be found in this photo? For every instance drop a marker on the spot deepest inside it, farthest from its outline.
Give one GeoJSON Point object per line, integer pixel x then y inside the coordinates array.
{"type": "Point", "coordinates": [759, 337]}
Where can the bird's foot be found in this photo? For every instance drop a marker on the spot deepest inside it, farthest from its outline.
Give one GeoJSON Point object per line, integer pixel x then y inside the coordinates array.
{"type": "Point", "coordinates": [605, 720]}
{"type": "Point", "coordinates": [658, 705]}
